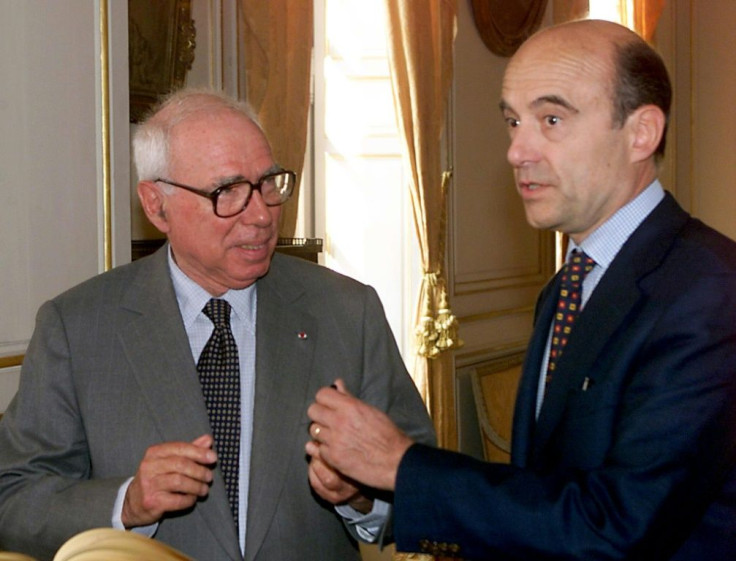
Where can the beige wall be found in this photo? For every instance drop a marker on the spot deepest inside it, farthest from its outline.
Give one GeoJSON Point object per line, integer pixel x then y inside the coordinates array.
{"type": "Point", "coordinates": [64, 145]}
{"type": "Point", "coordinates": [697, 40]}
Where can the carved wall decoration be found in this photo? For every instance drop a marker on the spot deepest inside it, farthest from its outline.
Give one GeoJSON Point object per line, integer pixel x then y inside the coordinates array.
{"type": "Point", "coordinates": [161, 44]}
{"type": "Point", "coordinates": [505, 24]}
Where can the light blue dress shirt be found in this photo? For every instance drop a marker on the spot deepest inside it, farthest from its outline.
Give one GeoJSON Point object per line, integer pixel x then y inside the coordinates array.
{"type": "Point", "coordinates": [192, 299]}
{"type": "Point", "coordinates": [602, 245]}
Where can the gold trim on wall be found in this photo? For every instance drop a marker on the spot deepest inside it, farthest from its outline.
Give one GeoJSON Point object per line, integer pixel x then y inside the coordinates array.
{"type": "Point", "coordinates": [10, 361]}
{"type": "Point", "coordinates": [105, 136]}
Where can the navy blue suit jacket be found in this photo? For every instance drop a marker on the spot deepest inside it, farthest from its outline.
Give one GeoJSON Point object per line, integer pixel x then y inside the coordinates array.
{"type": "Point", "coordinates": [637, 462]}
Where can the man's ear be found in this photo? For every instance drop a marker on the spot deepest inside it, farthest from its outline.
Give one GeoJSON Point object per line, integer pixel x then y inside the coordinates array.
{"type": "Point", "coordinates": [647, 126]}
{"type": "Point", "coordinates": [153, 203]}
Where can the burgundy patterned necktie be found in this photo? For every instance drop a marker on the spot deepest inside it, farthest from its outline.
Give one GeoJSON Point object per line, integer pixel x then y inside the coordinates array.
{"type": "Point", "coordinates": [219, 374]}
{"type": "Point", "coordinates": [568, 305]}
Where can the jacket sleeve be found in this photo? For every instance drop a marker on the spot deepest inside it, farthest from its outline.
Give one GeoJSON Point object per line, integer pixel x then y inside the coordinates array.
{"type": "Point", "coordinates": [635, 468]}
{"type": "Point", "coordinates": [46, 495]}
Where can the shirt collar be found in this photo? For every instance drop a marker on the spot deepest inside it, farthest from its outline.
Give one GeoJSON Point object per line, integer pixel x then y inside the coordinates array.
{"type": "Point", "coordinates": [604, 243]}
{"type": "Point", "coordinates": [192, 298]}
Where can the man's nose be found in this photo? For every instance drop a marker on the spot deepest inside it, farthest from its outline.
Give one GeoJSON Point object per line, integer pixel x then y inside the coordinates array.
{"type": "Point", "coordinates": [524, 147]}
{"type": "Point", "coordinates": [256, 211]}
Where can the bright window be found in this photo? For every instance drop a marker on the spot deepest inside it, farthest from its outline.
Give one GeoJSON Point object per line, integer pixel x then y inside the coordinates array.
{"type": "Point", "coordinates": [362, 205]}
{"type": "Point", "coordinates": [612, 10]}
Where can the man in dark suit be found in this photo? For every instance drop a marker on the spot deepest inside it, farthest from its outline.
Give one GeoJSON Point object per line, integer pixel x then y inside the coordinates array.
{"type": "Point", "coordinates": [110, 427]}
{"type": "Point", "coordinates": [625, 447]}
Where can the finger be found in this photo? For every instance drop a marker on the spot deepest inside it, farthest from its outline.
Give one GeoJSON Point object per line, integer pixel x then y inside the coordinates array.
{"type": "Point", "coordinates": [195, 452]}
{"type": "Point", "coordinates": [315, 430]}
{"type": "Point", "coordinates": [312, 449]}
{"type": "Point", "coordinates": [318, 413]}
{"type": "Point", "coordinates": [316, 483]}
{"type": "Point", "coordinates": [326, 475]}
{"type": "Point", "coordinates": [339, 385]}
{"type": "Point", "coordinates": [173, 475]}
{"type": "Point", "coordinates": [335, 393]}
{"type": "Point", "coordinates": [204, 441]}
{"type": "Point", "coordinates": [329, 484]}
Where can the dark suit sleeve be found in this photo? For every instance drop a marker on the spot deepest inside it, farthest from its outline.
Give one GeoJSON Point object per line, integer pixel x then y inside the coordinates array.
{"type": "Point", "coordinates": [638, 464]}
{"type": "Point", "coordinates": [46, 495]}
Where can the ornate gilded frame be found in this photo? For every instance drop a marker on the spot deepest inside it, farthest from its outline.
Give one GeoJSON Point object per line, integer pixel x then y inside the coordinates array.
{"type": "Point", "coordinates": [161, 43]}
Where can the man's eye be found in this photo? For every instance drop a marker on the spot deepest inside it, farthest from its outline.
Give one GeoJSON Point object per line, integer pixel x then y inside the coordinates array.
{"type": "Point", "coordinates": [552, 120]}
{"type": "Point", "coordinates": [230, 191]}
{"type": "Point", "coordinates": [512, 123]}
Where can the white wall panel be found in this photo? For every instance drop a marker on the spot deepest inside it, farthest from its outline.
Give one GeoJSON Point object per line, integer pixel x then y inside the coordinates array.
{"type": "Point", "coordinates": [53, 169]}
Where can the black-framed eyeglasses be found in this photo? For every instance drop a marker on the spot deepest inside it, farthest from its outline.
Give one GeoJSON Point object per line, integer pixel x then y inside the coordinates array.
{"type": "Point", "coordinates": [232, 198]}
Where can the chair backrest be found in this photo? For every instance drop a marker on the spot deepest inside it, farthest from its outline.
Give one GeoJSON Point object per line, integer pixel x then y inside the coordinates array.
{"type": "Point", "coordinates": [116, 545]}
{"type": "Point", "coordinates": [494, 391]}
{"type": "Point", "coordinates": [10, 556]}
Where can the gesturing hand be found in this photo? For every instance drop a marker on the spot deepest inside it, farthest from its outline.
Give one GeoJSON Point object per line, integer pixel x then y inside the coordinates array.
{"type": "Point", "coordinates": [353, 438]}
{"type": "Point", "coordinates": [171, 477]}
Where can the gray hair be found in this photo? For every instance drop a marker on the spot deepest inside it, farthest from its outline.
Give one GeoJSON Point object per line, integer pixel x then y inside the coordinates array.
{"type": "Point", "coordinates": [151, 138]}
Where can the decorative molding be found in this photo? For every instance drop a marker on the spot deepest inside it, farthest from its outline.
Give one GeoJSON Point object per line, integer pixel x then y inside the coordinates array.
{"type": "Point", "coordinates": [504, 25]}
{"type": "Point", "coordinates": [537, 275]}
{"type": "Point", "coordinates": [105, 136]}
{"type": "Point", "coordinates": [10, 361]}
{"type": "Point", "coordinates": [495, 314]}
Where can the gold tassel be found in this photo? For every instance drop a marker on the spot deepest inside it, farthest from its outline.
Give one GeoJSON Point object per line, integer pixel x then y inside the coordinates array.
{"type": "Point", "coordinates": [412, 557]}
{"type": "Point", "coordinates": [446, 326]}
{"type": "Point", "coordinates": [426, 332]}
{"type": "Point", "coordinates": [436, 334]}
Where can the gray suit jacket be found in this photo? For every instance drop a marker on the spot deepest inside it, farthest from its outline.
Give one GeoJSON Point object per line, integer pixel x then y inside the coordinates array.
{"type": "Point", "coordinates": [109, 372]}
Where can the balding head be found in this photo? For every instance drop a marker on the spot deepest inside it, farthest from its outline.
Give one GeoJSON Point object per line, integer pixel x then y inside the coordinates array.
{"type": "Point", "coordinates": [151, 141]}
{"type": "Point", "coordinates": [586, 105]}
{"type": "Point", "coordinates": [631, 69]}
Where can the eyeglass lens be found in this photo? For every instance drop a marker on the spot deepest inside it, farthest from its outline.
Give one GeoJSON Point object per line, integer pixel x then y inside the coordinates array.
{"type": "Point", "coordinates": [275, 190]}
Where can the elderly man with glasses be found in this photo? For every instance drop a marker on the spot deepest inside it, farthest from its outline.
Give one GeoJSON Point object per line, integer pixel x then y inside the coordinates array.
{"type": "Point", "coordinates": [169, 396]}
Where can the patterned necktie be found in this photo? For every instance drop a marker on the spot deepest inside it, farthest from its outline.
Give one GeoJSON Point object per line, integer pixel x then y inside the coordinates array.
{"type": "Point", "coordinates": [568, 305]}
{"type": "Point", "coordinates": [219, 374]}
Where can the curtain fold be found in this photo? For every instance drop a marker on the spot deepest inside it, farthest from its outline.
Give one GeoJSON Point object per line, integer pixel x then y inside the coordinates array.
{"type": "Point", "coordinates": [421, 36]}
{"type": "Point", "coordinates": [277, 44]}
{"type": "Point", "coordinates": [643, 20]}
{"type": "Point", "coordinates": [646, 16]}
{"type": "Point", "coordinates": [568, 10]}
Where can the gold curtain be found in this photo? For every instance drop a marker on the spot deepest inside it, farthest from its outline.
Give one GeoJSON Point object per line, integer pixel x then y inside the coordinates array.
{"type": "Point", "coordinates": [277, 45]}
{"type": "Point", "coordinates": [421, 35]}
{"type": "Point", "coordinates": [568, 10]}
{"type": "Point", "coordinates": [646, 15]}
{"type": "Point", "coordinates": [643, 20]}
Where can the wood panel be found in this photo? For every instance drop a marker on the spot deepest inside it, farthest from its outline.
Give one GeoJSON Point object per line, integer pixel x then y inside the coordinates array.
{"type": "Point", "coordinates": [497, 263]}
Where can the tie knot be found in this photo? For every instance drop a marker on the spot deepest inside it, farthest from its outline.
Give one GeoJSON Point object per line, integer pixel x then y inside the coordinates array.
{"type": "Point", "coordinates": [218, 310]}
{"type": "Point", "coordinates": [577, 267]}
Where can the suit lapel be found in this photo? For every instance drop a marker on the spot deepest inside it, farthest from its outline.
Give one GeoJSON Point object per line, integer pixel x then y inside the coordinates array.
{"type": "Point", "coordinates": [161, 360]}
{"type": "Point", "coordinates": [526, 401]}
{"type": "Point", "coordinates": [618, 293]}
{"type": "Point", "coordinates": [285, 339]}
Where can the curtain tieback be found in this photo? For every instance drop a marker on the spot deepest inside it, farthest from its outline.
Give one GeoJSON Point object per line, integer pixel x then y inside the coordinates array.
{"type": "Point", "coordinates": [436, 332]}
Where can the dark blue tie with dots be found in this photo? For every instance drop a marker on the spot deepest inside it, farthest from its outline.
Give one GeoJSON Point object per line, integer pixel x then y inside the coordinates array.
{"type": "Point", "coordinates": [568, 305]}
{"type": "Point", "coordinates": [219, 374]}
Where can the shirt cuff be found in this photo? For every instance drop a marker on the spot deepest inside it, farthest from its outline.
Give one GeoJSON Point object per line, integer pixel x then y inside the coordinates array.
{"type": "Point", "coordinates": [368, 526]}
{"type": "Point", "coordinates": [117, 514]}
